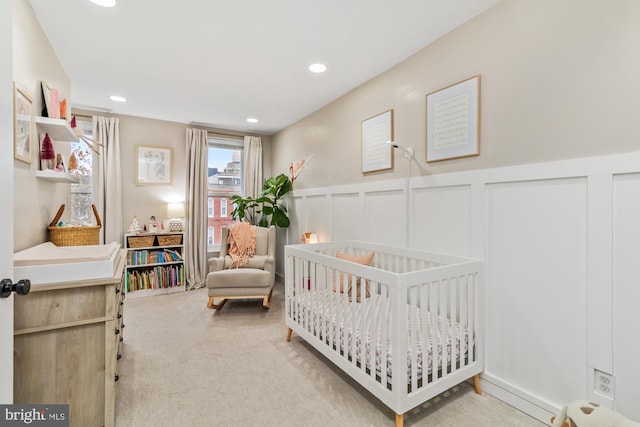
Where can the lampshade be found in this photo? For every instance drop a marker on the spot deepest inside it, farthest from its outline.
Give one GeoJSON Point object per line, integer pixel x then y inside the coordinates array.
{"type": "Point", "coordinates": [175, 210]}
{"type": "Point", "coordinates": [175, 213]}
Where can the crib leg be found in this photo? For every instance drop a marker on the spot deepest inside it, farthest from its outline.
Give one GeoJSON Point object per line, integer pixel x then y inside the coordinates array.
{"type": "Point", "coordinates": [289, 334]}
{"type": "Point", "coordinates": [476, 384]}
{"type": "Point", "coordinates": [399, 420]}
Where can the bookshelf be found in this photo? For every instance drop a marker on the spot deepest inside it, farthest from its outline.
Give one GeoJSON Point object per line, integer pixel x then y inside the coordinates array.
{"type": "Point", "coordinates": [154, 264]}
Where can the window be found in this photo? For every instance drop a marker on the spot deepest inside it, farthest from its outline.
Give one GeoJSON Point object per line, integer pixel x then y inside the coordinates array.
{"type": "Point", "coordinates": [82, 192]}
{"type": "Point", "coordinates": [223, 207]}
{"type": "Point", "coordinates": [224, 180]}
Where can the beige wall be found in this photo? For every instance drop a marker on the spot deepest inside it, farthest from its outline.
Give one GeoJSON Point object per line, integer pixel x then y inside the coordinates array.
{"type": "Point", "coordinates": [146, 200]}
{"type": "Point", "coordinates": [35, 201]}
{"type": "Point", "coordinates": [558, 80]}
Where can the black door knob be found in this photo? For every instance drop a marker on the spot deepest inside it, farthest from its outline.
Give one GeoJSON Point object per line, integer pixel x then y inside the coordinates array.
{"type": "Point", "coordinates": [21, 288]}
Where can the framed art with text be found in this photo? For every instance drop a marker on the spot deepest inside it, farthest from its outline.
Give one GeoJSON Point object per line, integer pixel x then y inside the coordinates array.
{"type": "Point", "coordinates": [453, 121]}
{"type": "Point", "coordinates": [377, 153]}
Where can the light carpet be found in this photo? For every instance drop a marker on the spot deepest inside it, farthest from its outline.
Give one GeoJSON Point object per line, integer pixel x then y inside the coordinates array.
{"type": "Point", "coordinates": [186, 365]}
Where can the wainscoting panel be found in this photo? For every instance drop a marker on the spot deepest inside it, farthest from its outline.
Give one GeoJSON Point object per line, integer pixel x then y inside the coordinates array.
{"type": "Point", "coordinates": [536, 286]}
{"type": "Point", "coordinates": [626, 273]}
{"type": "Point", "coordinates": [441, 219]}
{"type": "Point", "coordinates": [347, 217]}
{"type": "Point", "coordinates": [386, 217]}
{"type": "Point", "coordinates": [319, 217]}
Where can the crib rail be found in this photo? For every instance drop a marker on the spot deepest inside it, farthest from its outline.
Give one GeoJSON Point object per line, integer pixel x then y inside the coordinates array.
{"type": "Point", "coordinates": [406, 327]}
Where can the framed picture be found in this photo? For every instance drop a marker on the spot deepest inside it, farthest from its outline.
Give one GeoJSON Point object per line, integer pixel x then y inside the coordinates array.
{"type": "Point", "coordinates": [377, 153]}
{"type": "Point", "coordinates": [453, 121]}
{"type": "Point", "coordinates": [153, 166]}
{"type": "Point", "coordinates": [22, 144]}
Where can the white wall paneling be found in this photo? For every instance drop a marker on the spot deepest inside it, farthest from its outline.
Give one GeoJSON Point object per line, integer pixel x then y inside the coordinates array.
{"type": "Point", "coordinates": [536, 286]}
{"type": "Point", "coordinates": [440, 219]}
{"type": "Point", "coordinates": [626, 271]}
{"type": "Point", "coordinates": [318, 218]}
{"type": "Point", "coordinates": [561, 245]}
{"type": "Point", "coordinates": [347, 217]}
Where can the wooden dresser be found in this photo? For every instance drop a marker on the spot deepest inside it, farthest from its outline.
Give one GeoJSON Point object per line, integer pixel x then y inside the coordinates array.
{"type": "Point", "coordinates": [67, 341]}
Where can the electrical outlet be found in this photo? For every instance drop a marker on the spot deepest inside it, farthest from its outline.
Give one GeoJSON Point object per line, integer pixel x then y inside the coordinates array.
{"type": "Point", "coordinates": [603, 383]}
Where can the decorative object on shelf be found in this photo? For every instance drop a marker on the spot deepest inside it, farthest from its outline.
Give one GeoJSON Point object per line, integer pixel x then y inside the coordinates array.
{"type": "Point", "coordinates": [45, 99]}
{"type": "Point", "coordinates": [153, 224]}
{"type": "Point", "coordinates": [21, 125]}
{"type": "Point", "coordinates": [63, 109]}
{"type": "Point", "coordinates": [175, 213]}
{"type": "Point", "coordinates": [309, 237]}
{"type": "Point", "coordinates": [54, 103]}
{"type": "Point", "coordinates": [73, 162]}
{"type": "Point", "coordinates": [134, 226]}
{"type": "Point", "coordinates": [153, 165]}
{"type": "Point", "coordinates": [60, 163]}
{"type": "Point", "coordinates": [47, 154]}
{"type": "Point", "coordinates": [376, 153]}
{"type": "Point", "coordinates": [453, 121]}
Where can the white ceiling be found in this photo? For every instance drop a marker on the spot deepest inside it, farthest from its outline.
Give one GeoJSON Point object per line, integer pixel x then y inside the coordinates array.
{"type": "Point", "coordinates": [218, 62]}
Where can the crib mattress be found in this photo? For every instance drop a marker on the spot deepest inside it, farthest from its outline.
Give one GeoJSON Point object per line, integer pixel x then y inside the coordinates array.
{"type": "Point", "coordinates": [331, 316]}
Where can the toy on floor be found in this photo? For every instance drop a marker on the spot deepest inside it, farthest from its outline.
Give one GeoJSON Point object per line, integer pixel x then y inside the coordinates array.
{"type": "Point", "coordinates": [581, 413]}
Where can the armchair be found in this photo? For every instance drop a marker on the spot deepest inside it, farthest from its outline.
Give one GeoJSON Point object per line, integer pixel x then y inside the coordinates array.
{"type": "Point", "coordinates": [254, 279]}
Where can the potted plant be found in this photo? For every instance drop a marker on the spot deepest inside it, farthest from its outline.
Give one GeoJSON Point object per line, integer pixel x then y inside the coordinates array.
{"type": "Point", "coordinates": [267, 209]}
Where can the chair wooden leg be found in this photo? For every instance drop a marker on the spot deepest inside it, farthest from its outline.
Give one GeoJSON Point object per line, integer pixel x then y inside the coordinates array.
{"type": "Point", "coordinates": [399, 420]}
{"type": "Point", "coordinates": [266, 303]}
{"type": "Point", "coordinates": [476, 384]}
{"type": "Point", "coordinates": [211, 304]}
{"type": "Point", "coordinates": [289, 334]}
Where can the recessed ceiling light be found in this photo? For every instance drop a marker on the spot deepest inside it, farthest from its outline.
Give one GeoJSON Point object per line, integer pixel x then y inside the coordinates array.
{"type": "Point", "coordinates": [252, 120]}
{"type": "Point", "coordinates": [118, 98]}
{"type": "Point", "coordinates": [104, 3]}
{"type": "Point", "coordinates": [317, 68]}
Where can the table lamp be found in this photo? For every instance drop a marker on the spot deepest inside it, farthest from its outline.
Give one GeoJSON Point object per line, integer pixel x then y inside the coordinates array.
{"type": "Point", "coordinates": [308, 237]}
{"type": "Point", "coordinates": [175, 213]}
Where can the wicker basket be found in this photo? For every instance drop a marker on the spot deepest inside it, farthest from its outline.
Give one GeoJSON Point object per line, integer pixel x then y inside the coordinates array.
{"type": "Point", "coordinates": [140, 241]}
{"type": "Point", "coordinates": [75, 235]}
{"type": "Point", "coordinates": [172, 240]}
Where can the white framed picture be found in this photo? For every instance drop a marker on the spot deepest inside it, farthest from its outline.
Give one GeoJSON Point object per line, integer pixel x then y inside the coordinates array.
{"type": "Point", "coordinates": [154, 165]}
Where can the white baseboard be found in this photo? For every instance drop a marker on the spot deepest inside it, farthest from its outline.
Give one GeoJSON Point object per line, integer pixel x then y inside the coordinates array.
{"type": "Point", "coordinates": [530, 405]}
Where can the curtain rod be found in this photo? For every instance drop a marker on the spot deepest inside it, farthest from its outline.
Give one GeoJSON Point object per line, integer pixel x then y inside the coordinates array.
{"type": "Point", "coordinates": [83, 116]}
{"type": "Point", "coordinates": [214, 133]}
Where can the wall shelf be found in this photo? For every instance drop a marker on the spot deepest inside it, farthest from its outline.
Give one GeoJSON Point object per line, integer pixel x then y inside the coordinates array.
{"type": "Point", "coordinates": [58, 129]}
{"type": "Point", "coordinates": [56, 176]}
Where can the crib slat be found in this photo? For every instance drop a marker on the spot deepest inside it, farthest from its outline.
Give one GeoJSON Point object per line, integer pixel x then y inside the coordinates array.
{"type": "Point", "coordinates": [414, 321]}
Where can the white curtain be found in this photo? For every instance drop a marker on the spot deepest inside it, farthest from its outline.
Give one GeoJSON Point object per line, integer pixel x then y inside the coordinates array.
{"type": "Point", "coordinates": [252, 178]}
{"type": "Point", "coordinates": [108, 200]}
{"type": "Point", "coordinates": [196, 224]}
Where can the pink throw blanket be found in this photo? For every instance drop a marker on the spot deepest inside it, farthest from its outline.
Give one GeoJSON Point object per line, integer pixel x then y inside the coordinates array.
{"type": "Point", "coordinates": [242, 243]}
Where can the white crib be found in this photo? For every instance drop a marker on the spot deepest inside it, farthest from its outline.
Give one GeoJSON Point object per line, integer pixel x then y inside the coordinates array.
{"type": "Point", "coordinates": [407, 328]}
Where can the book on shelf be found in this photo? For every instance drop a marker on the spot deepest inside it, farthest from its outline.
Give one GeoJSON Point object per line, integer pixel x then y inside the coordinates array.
{"type": "Point", "coordinates": [147, 256]}
{"type": "Point", "coordinates": [157, 277]}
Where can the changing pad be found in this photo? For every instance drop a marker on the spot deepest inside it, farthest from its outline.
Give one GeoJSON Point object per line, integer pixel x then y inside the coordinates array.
{"type": "Point", "coordinates": [48, 263]}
